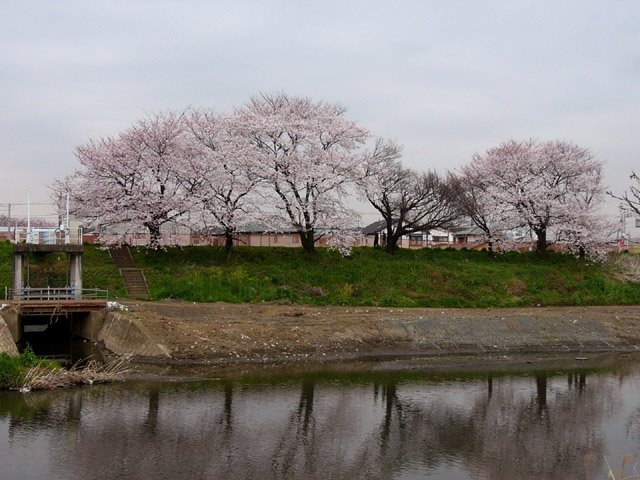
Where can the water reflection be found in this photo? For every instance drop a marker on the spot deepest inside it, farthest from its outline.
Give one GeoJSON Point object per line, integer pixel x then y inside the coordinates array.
{"type": "Point", "coordinates": [540, 426]}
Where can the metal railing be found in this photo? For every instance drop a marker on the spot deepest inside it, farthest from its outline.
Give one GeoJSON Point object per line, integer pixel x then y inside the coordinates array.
{"type": "Point", "coordinates": [48, 293]}
{"type": "Point", "coordinates": [47, 236]}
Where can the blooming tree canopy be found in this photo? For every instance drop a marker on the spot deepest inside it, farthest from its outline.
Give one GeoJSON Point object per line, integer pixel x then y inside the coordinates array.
{"type": "Point", "coordinates": [132, 179]}
{"type": "Point", "coordinates": [545, 186]}
{"type": "Point", "coordinates": [476, 201]}
{"type": "Point", "coordinates": [305, 153]}
{"type": "Point", "coordinates": [222, 173]}
{"type": "Point", "coordinates": [285, 160]}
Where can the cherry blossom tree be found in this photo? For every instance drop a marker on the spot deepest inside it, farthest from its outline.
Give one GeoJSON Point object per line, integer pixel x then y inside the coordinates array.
{"type": "Point", "coordinates": [586, 231]}
{"type": "Point", "coordinates": [222, 175]}
{"type": "Point", "coordinates": [407, 200]}
{"type": "Point", "coordinates": [546, 186]}
{"type": "Point", "coordinates": [132, 180]}
{"type": "Point", "coordinates": [306, 153]}
{"type": "Point", "coordinates": [476, 201]}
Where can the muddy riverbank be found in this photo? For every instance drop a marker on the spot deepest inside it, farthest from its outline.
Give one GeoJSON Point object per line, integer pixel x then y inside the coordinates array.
{"type": "Point", "coordinates": [227, 334]}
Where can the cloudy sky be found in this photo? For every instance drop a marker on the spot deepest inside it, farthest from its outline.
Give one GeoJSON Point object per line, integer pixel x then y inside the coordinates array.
{"type": "Point", "coordinates": [444, 78]}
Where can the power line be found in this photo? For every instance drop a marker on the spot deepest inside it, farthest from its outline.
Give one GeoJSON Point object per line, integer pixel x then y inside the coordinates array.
{"type": "Point", "coordinates": [25, 204]}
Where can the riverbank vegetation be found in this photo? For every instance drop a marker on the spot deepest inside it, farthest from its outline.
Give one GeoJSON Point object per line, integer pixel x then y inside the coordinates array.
{"type": "Point", "coordinates": [43, 377]}
{"type": "Point", "coordinates": [27, 372]}
{"type": "Point", "coordinates": [411, 278]}
{"type": "Point", "coordinates": [13, 370]}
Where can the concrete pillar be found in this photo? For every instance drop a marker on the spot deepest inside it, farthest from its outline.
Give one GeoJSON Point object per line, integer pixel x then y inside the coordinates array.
{"type": "Point", "coordinates": [75, 276]}
{"type": "Point", "coordinates": [18, 281]}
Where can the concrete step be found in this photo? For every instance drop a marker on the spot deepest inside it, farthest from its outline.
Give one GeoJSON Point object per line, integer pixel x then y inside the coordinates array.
{"type": "Point", "coordinates": [133, 278]}
{"type": "Point", "coordinates": [135, 282]}
{"type": "Point", "coordinates": [121, 257]}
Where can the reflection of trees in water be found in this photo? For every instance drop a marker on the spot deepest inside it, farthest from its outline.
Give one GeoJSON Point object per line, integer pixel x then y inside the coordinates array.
{"type": "Point", "coordinates": [577, 380]}
{"type": "Point", "coordinates": [295, 445]}
{"type": "Point", "coordinates": [392, 411]}
{"type": "Point", "coordinates": [150, 423]}
{"type": "Point", "coordinates": [546, 436]}
{"type": "Point", "coordinates": [305, 406]}
{"type": "Point", "coordinates": [633, 420]}
{"type": "Point", "coordinates": [633, 425]}
{"type": "Point", "coordinates": [52, 409]}
{"type": "Point", "coordinates": [505, 428]}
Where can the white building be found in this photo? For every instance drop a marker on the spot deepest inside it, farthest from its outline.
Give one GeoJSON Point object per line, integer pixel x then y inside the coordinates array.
{"type": "Point", "coordinates": [630, 228]}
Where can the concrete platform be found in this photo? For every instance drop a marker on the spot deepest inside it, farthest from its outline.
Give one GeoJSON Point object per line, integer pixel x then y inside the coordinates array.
{"type": "Point", "coordinates": [47, 248]}
{"type": "Point", "coordinates": [55, 307]}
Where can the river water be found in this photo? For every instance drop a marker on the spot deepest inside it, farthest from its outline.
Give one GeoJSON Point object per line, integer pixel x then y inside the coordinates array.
{"type": "Point", "coordinates": [539, 424]}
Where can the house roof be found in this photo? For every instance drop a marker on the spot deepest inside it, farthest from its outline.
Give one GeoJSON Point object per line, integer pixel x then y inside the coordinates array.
{"type": "Point", "coordinates": [460, 229]}
{"type": "Point", "coordinates": [374, 227]}
{"type": "Point", "coordinates": [466, 230]}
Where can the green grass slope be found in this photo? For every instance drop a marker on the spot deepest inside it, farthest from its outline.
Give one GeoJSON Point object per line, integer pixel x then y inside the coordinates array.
{"type": "Point", "coordinates": [418, 278]}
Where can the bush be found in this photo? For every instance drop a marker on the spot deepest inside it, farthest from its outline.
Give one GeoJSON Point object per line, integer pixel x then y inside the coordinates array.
{"type": "Point", "coordinates": [14, 370]}
{"type": "Point", "coordinates": [11, 371]}
{"type": "Point", "coordinates": [28, 358]}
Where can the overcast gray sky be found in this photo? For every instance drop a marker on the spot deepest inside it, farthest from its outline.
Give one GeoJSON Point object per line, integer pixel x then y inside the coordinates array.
{"type": "Point", "coordinates": [444, 78]}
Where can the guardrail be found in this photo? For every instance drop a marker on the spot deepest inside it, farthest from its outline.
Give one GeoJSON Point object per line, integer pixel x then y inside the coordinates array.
{"type": "Point", "coordinates": [47, 236]}
{"type": "Point", "coordinates": [66, 293]}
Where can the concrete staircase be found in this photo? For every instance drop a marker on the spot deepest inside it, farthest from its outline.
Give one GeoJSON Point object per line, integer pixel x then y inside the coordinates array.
{"type": "Point", "coordinates": [133, 278]}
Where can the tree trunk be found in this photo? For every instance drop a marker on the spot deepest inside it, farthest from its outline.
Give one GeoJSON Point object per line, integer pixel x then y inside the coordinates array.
{"type": "Point", "coordinates": [391, 237]}
{"type": "Point", "coordinates": [307, 239]}
{"type": "Point", "coordinates": [541, 244]}
{"type": "Point", "coordinates": [490, 246]}
{"type": "Point", "coordinates": [154, 234]}
{"type": "Point", "coordinates": [228, 242]}
{"type": "Point", "coordinates": [392, 244]}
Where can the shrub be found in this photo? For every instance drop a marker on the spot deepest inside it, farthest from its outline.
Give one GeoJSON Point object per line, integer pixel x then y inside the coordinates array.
{"type": "Point", "coordinates": [11, 371]}
{"type": "Point", "coordinates": [28, 358]}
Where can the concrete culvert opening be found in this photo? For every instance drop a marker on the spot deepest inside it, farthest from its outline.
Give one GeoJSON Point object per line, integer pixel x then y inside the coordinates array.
{"type": "Point", "coordinates": [60, 337]}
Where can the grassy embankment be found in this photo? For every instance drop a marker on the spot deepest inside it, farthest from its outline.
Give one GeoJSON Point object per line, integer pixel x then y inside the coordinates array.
{"type": "Point", "coordinates": [418, 278]}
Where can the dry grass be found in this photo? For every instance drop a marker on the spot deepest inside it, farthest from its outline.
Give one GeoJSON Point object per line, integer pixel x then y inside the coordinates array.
{"type": "Point", "coordinates": [628, 267]}
{"type": "Point", "coordinates": [629, 462]}
{"type": "Point", "coordinates": [47, 378]}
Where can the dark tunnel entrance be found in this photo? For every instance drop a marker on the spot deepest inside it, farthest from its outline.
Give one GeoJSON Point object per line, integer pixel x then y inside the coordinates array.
{"type": "Point", "coordinates": [53, 337]}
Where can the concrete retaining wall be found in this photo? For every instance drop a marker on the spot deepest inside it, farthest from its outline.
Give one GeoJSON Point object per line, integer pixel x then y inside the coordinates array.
{"type": "Point", "coordinates": [89, 325]}
{"type": "Point", "coordinates": [124, 335]}
{"type": "Point", "coordinates": [12, 320]}
{"type": "Point", "coordinates": [7, 343]}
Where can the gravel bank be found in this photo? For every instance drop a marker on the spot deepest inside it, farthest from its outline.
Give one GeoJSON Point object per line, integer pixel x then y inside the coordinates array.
{"type": "Point", "coordinates": [188, 333]}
